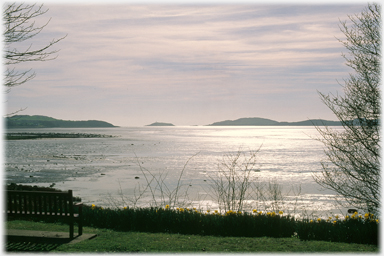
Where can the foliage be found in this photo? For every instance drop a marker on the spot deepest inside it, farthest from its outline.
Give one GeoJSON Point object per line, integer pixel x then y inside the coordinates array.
{"type": "Point", "coordinates": [233, 180]}
{"type": "Point", "coordinates": [190, 221]}
{"type": "Point", "coordinates": [160, 192]}
{"type": "Point", "coordinates": [234, 186]}
{"type": "Point", "coordinates": [351, 229]}
{"type": "Point", "coordinates": [353, 167]}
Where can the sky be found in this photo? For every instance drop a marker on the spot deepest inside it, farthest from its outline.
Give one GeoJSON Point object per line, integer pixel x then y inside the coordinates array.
{"type": "Point", "coordinates": [134, 64]}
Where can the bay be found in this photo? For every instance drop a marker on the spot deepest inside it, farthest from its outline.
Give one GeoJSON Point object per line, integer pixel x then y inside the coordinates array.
{"type": "Point", "coordinates": [114, 171]}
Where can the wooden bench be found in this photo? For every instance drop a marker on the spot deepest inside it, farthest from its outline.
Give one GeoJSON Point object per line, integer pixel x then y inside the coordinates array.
{"type": "Point", "coordinates": [44, 205]}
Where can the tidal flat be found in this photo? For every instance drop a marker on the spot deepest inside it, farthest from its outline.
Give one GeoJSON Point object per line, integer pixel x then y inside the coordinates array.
{"type": "Point", "coordinates": [121, 163]}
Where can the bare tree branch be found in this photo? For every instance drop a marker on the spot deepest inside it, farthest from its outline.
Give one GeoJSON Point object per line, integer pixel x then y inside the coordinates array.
{"type": "Point", "coordinates": [352, 168]}
{"type": "Point", "coordinates": [19, 27]}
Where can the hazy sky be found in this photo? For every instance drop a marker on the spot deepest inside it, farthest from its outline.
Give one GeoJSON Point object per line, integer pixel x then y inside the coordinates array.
{"type": "Point", "coordinates": [132, 64]}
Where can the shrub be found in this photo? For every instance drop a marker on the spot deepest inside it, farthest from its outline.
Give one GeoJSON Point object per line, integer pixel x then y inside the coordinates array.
{"type": "Point", "coordinates": [190, 221]}
{"type": "Point", "coordinates": [352, 229]}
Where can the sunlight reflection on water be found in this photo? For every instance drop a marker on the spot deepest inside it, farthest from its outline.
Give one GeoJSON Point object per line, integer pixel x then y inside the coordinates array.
{"type": "Point", "coordinates": [96, 168]}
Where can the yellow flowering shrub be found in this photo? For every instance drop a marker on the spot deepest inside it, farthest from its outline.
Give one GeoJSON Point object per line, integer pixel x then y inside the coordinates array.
{"type": "Point", "coordinates": [230, 212]}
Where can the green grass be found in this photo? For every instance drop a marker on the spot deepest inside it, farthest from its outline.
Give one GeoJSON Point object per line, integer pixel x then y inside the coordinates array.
{"type": "Point", "coordinates": [108, 240]}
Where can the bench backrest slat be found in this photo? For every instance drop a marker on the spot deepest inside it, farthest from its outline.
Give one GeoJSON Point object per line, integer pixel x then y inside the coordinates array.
{"type": "Point", "coordinates": [65, 207]}
{"type": "Point", "coordinates": [49, 206]}
{"type": "Point", "coordinates": [46, 202]}
{"type": "Point", "coordinates": [28, 203]}
{"type": "Point", "coordinates": [60, 205]}
{"type": "Point", "coordinates": [18, 199]}
{"type": "Point", "coordinates": [9, 203]}
{"type": "Point", "coordinates": [55, 203]}
{"type": "Point", "coordinates": [15, 200]}
{"type": "Point", "coordinates": [70, 203]}
{"type": "Point", "coordinates": [40, 203]}
{"type": "Point", "coordinates": [35, 204]}
{"type": "Point", "coordinates": [23, 202]}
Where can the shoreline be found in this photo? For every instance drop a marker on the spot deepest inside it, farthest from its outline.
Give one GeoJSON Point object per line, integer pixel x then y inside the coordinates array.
{"type": "Point", "coordinates": [51, 135]}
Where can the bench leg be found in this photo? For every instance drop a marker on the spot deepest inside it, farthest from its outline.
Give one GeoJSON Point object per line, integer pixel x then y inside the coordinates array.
{"type": "Point", "coordinates": [80, 227]}
{"type": "Point", "coordinates": [71, 231]}
{"type": "Point", "coordinates": [80, 222]}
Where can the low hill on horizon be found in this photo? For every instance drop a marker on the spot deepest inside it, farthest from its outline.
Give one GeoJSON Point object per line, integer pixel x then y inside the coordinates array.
{"type": "Point", "coordinates": [160, 124]}
{"type": "Point", "coordinates": [38, 121]}
{"type": "Point", "coordinates": [257, 121]}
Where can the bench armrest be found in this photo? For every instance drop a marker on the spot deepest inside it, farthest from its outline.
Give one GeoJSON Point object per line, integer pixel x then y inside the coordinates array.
{"type": "Point", "coordinates": [78, 205]}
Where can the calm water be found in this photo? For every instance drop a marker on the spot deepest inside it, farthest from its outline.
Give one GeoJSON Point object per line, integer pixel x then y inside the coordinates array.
{"type": "Point", "coordinates": [99, 170]}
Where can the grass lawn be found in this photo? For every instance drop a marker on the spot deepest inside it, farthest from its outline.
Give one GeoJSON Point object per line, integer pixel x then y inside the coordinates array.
{"type": "Point", "coordinates": [112, 241]}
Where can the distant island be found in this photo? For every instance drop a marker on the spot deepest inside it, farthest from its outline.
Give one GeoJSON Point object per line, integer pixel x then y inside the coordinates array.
{"type": "Point", "coordinates": [37, 121]}
{"type": "Point", "coordinates": [256, 121]}
{"type": "Point", "coordinates": [160, 124]}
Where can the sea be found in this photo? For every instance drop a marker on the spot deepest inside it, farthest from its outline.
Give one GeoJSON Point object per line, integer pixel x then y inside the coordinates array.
{"type": "Point", "coordinates": [183, 166]}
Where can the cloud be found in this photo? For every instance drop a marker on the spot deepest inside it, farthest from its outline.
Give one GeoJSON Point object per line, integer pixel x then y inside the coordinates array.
{"type": "Point", "coordinates": [192, 54]}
